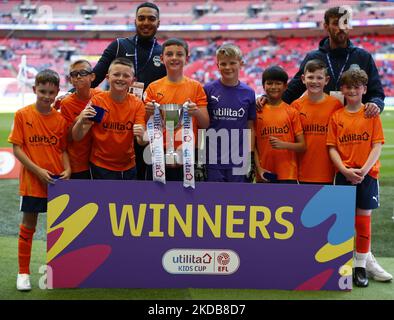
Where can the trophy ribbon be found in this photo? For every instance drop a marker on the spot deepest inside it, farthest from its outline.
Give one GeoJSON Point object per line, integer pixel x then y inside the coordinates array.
{"type": "Point", "coordinates": [188, 148]}
{"type": "Point", "coordinates": [155, 133]}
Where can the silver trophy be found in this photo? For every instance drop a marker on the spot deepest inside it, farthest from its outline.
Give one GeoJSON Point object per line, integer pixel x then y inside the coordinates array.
{"type": "Point", "coordinates": [172, 115]}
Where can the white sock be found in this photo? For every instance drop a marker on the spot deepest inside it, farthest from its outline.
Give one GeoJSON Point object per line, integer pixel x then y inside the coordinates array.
{"type": "Point", "coordinates": [360, 260]}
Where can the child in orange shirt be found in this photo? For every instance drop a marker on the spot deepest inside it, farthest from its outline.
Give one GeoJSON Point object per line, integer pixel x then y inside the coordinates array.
{"type": "Point", "coordinates": [278, 132]}
{"type": "Point", "coordinates": [112, 156]}
{"type": "Point", "coordinates": [355, 143]}
{"type": "Point", "coordinates": [81, 77]}
{"type": "Point", "coordinates": [39, 137]}
{"type": "Point", "coordinates": [175, 88]}
{"type": "Point", "coordinates": [315, 108]}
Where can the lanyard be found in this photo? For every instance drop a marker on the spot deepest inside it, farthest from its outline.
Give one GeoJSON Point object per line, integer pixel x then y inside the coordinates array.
{"type": "Point", "coordinates": [332, 70]}
{"type": "Point", "coordinates": [136, 55]}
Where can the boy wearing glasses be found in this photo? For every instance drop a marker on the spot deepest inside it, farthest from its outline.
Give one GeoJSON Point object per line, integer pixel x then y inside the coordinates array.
{"type": "Point", "coordinates": [81, 77]}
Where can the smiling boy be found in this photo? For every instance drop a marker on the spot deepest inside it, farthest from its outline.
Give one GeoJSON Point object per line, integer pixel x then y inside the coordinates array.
{"type": "Point", "coordinates": [278, 131]}
{"type": "Point", "coordinates": [175, 88]}
{"type": "Point", "coordinates": [316, 109]}
{"type": "Point", "coordinates": [112, 156]}
{"type": "Point", "coordinates": [355, 143]}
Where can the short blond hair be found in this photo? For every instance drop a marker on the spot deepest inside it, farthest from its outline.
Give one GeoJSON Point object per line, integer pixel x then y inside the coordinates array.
{"type": "Point", "coordinates": [124, 62]}
{"type": "Point", "coordinates": [229, 50]}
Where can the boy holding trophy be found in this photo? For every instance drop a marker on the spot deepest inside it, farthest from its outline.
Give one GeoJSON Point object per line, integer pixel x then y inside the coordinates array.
{"type": "Point", "coordinates": [182, 102]}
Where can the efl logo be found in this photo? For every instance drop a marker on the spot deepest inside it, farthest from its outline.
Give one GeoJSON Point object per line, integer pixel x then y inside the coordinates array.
{"type": "Point", "coordinates": [201, 261]}
{"type": "Point", "coordinates": [223, 260]}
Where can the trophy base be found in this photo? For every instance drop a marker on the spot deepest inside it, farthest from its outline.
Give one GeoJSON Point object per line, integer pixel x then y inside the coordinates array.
{"type": "Point", "coordinates": [173, 160]}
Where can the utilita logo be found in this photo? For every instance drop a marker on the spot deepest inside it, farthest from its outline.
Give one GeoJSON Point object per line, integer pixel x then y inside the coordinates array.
{"type": "Point", "coordinates": [118, 126]}
{"type": "Point", "coordinates": [315, 128]}
{"type": "Point", "coordinates": [229, 112]}
{"type": "Point", "coordinates": [200, 261]}
{"type": "Point", "coordinates": [37, 139]}
{"type": "Point", "coordinates": [267, 131]}
{"type": "Point", "coordinates": [354, 137]}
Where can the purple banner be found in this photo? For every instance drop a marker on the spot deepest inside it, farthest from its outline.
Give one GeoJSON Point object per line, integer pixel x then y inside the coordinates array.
{"type": "Point", "coordinates": [139, 234]}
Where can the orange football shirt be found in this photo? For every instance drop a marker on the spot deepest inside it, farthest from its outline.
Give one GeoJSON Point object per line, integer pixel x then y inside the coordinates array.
{"type": "Point", "coordinates": [353, 136]}
{"type": "Point", "coordinates": [43, 138]}
{"type": "Point", "coordinates": [78, 151]}
{"type": "Point", "coordinates": [314, 164]}
{"type": "Point", "coordinates": [164, 91]}
{"type": "Point", "coordinates": [284, 123]}
{"type": "Point", "coordinates": [113, 138]}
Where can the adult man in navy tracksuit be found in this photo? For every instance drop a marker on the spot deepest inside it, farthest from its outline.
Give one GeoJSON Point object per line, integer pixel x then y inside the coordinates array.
{"type": "Point", "coordinates": [144, 51]}
{"type": "Point", "coordinates": [339, 53]}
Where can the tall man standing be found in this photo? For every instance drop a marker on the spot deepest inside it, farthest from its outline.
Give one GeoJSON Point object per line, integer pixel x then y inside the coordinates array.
{"type": "Point", "coordinates": [339, 53]}
{"type": "Point", "coordinates": [144, 51]}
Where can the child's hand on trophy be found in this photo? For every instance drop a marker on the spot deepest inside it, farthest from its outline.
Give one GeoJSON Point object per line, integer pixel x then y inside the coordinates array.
{"type": "Point", "coordinates": [150, 108]}
{"type": "Point", "coordinates": [138, 130]}
{"type": "Point", "coordinates": [191, 108]}
{"type": "Point", "coordinates": [140, 134]}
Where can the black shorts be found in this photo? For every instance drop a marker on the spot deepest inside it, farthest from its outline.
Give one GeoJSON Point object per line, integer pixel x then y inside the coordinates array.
{"type": "Point", "coordinates": [286, 181]}
{"type": "Point", "coordinates": [367, 192]}
{"type": "Point", "coordinates": [99, 173]}
{"type": "Point", "coordinates": [317, 183]}
{"type": "Point", "coordinates": [33, 204]}
{"type": "Point", "coordinates": [279, 181]}
{"type": "Point", "coordinates": [82, 175]}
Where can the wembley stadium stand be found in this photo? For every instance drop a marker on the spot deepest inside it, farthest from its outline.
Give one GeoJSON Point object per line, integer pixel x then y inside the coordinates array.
{"type": "Point", "coordinates": [51, 34]}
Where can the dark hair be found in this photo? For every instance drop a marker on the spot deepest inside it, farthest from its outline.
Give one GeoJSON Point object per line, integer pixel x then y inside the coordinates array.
{"type": "Point", "coordinates": [47, 76]}
{"type": "Point", "coordinates": [275, 73]}
{"type": "Point", "coordinates": [148, 5]}
{"type": "Point", "coordinates": [315, 64]}
{"type": "Point", "coordinates": [176, 42]}
{"type": "Point", "coordinates": [335, 12]}
{"type": "Point", "coordinates": [123, 61]}
{"type": "Point", "coordinates": [354, 77]}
